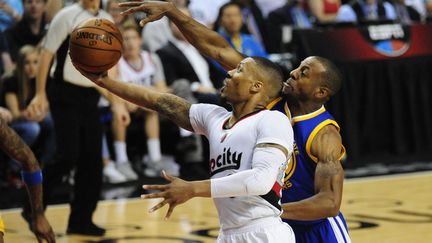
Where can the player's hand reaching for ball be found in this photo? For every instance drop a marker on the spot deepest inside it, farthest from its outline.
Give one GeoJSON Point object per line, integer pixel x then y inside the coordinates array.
{"type": "Point", "coordinates": [96, 78]}
{"type": "Point", "coordinates": [176, 192]}
{"type": "Point", "coordinates": [153, 9]}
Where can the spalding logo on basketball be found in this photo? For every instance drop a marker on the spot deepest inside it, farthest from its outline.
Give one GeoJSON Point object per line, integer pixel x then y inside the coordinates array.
{"type": "Point", "coordinates": [93, 38]}
{"type": "Point", "coordinates": [95, 45]}
{"type": "Point", "coordinates": [391, 40]}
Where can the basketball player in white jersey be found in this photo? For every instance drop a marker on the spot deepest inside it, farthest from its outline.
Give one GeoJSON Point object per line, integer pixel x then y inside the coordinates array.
{"type": "Point", "coordinates": [248, 153]}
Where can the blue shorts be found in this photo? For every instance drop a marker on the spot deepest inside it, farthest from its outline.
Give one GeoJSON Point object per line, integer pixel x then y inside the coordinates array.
{"type": "Point", "coordinates": [331, 230]}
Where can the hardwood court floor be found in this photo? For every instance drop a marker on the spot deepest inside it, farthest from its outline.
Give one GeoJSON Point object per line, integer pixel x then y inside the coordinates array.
{"type": "Point", "coordinates": [379, 209]}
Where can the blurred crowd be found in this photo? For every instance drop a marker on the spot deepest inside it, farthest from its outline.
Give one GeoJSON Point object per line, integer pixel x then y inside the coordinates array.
{"type": "Point", "coordinates": [159, 56]}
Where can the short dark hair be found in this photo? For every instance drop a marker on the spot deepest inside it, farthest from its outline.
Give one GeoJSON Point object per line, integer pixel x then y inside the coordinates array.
{"type": "Point", "coordinates": [332, 77]}
{"type": "Point", "coordinates": [272, 75]}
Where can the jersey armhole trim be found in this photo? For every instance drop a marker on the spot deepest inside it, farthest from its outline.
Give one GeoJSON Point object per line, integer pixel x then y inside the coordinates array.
{"type": "Point", "coordinates": [314, 133]}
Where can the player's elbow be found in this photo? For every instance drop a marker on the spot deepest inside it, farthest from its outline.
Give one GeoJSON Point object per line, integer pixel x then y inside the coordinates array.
{"type": "Point", "coordinates": [333, 212]}
{"type": "Point", "coordinates": [332, 209]}
{"type": "Point", "coordinates": [258, 187]}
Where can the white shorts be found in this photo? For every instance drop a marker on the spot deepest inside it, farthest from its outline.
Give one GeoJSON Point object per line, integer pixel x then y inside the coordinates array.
{"type": "Point", "coordinates": [266, 230]}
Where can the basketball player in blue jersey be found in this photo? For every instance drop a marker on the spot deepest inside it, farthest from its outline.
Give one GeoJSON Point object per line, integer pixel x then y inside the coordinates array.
{"type": "Point", "coordinates": [312, 192]}
{"type": "Point", "coordinates": [313, 189]}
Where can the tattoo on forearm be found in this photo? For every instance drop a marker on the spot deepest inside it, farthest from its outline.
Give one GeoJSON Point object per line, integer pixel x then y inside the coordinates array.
{"type": "Point", "coordinates": [15, 147]}
{"type": "Point", "coordinates": [35, 193]}
{"type": "Point", "coordinates": [175, 108]}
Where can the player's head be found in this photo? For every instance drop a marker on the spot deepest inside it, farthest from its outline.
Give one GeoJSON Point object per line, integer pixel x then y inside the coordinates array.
{"type": "Point", "coordinates": [131, 40]}
{"type": "Point", "coordinates": [34, 9]}
{"type": "Point", "coordinates": [254, 76]}
{"type": "Point", "coordinates": [316, 79]}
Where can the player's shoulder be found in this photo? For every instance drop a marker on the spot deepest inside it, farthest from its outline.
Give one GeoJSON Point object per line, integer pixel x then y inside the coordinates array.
{"type": "Point", "coordinates": [209, 107]}
{"type": "Point", "coordinates": [274, 115]}
{"type": "Point", "coordinates": [210, 110]}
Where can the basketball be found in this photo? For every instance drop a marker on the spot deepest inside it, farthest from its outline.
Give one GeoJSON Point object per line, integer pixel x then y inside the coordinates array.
{"type": "Point", "coordinates": [95, 45]}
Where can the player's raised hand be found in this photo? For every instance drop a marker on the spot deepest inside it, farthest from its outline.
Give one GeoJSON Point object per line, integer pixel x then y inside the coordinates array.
{"type": "Point", "coordinates": [176, 192]}
{"type": "Point", "coordinates": [154, 9]}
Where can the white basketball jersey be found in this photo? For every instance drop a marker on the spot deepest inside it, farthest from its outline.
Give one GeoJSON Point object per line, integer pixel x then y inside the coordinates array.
{"type": "Point", "coordinates": [231, 151]}
{"type": "Point", "coordinates": [143, 76]}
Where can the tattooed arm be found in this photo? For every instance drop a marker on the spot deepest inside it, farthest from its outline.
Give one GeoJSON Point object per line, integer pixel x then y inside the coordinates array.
{"type": "Point", "coordinates": [173, 107]}
{"type": "Point", "coordinates": [15, 147]}
{"type": "Point", "coordinates": [329, 177]}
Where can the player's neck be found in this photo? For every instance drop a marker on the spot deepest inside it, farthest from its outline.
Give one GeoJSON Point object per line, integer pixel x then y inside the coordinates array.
{"type": "Point", "coordinates": [244, 108]}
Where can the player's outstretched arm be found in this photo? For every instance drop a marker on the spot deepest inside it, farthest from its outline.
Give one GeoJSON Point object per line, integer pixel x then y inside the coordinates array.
{"type": "Point", "coordinates": [172, 106]}
{"type": "Point", "coordinates": [15, 147]}
{"type": "Point", "coordinates": [329, 176]}
{"type": "Point", "coordinates": [208, 42]}
{"type": "Point", "coordinates": [259, 180]}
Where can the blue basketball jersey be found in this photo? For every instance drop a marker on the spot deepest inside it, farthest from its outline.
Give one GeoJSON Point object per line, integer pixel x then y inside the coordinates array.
{"type": "Point", "coordinates": [300, 175]}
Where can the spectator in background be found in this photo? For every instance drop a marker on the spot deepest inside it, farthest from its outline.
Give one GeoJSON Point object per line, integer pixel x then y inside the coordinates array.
{"type": "Point", "coordinates": [206, 11]}
{"type": "Point", "coordinates": [406, 14]}
{"type": "Point", "coordinates": [11, 11]}
{"type": "Point", "coordinates": [281, 21]}
{"type": "Point", "coordinates": [429, 8]}
{"type": "Point", "coordinates": [324, 10]}
{"type": "Point", "coordinates": [156, 34]}
{"type": "Point", "coordinates": [229, 24]}
{"type": "Point", "coordinates": [18, 90]}
{"type": "Point", "coordinates": [253, 20]}
{"type": "Point", "coordinates": [31, 29]}
{"type": "Point", "coordinates": [6, 64]}
{"type": "Point", "coordinates": [110, 172]}
{"type": "Point", "coordinates": [143, 68]}
{"type": "Point", "coordinates": [114, 10]}
{"type": "Point", "coordinates": [267, 6]}
{"type": "Point", "coordinates": [366, 10]}
{"type": "Point", "coordinates": [419, 6]}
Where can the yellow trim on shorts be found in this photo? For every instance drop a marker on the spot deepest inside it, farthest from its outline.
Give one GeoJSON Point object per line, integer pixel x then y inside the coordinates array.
{"type": "Point", "coordinates": [315, 132]}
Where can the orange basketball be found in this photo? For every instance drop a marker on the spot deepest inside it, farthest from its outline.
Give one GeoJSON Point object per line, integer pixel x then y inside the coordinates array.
{"type": "Point", "coordinates": [95, 45]}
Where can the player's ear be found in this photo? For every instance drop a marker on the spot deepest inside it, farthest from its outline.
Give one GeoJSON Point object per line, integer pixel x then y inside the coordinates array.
{"type": "Point", "coordinates": [256, 86]}
{"type": "Point", "coordinates": [322, 92]}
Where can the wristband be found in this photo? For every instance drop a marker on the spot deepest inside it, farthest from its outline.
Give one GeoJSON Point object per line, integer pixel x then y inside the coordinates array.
{"type": "Point", "coordinates": [32, 178]}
